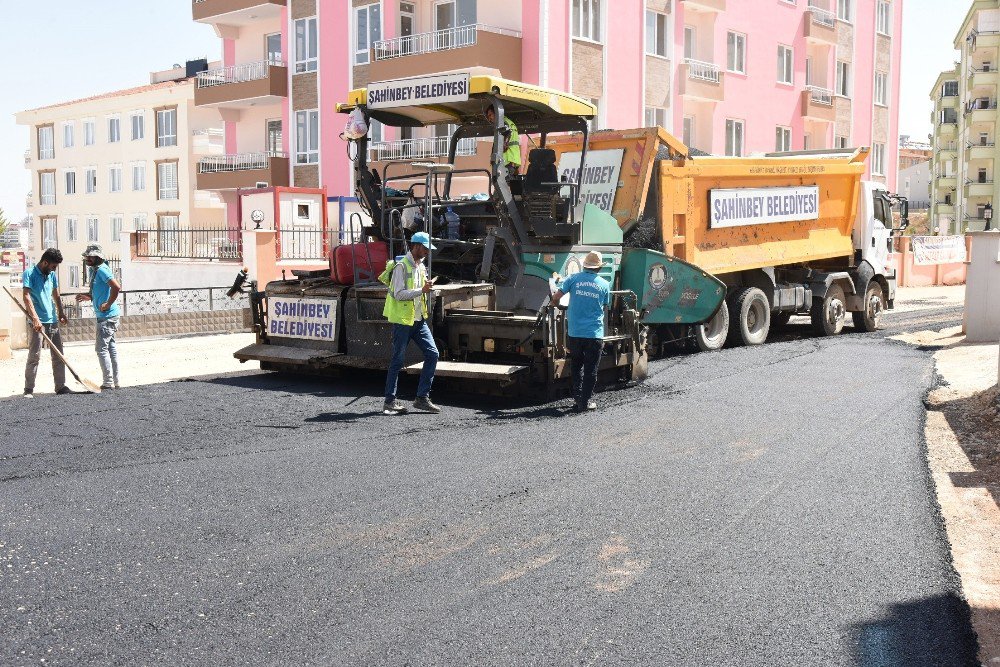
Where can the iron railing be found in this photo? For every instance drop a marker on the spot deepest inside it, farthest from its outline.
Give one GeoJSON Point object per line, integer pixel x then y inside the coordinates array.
{"type": "Point", "coordinates": [159, 301]}
{"type": "Point", "coordinates": [698, 69]}
{"type": "Point", "coordinates": [303, 243]}
{"type": "Point", "coordinates": [822, 16]}
{"type": "Point", "coordinates": [819, 95]}
{"type": "Point", "coordinates": [237, 73]}
{"type": "Point", "coordinates": [438, 40]}
{"type": "Point", "coordinates": [113, 263]}
{"type": "Point", "coordinates": [210, 244]}
{"type": "Point", "coordinates": [404, 149]}
{"type": "Point", "coordinates": [237, 162]}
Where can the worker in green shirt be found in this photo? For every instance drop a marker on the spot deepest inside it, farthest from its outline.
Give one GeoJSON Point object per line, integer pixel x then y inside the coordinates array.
{"type": "Point", "coordinates": [511, 142]}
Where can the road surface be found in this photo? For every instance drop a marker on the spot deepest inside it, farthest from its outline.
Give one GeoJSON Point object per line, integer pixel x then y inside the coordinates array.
{"type": "Point", "coordinates": [761, 506]}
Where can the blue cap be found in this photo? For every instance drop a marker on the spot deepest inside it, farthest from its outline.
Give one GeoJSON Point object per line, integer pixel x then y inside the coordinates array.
{"type": "Point", "coordinates": [423, 239]}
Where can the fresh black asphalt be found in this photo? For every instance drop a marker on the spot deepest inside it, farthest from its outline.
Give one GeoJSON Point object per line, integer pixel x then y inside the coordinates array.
{"type": "Point", "coordinates": [762, 506]}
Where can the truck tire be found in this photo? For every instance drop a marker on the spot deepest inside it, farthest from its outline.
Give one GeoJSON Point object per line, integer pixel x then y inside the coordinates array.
{"type": "Point", "coordinates": [712, 335]}
{"type": "Point", "coordinates": [750, 319]}
{"type": "Point", "coordinates": [868, 319]}
{"type": "Point", "coordinates": [828, 313]}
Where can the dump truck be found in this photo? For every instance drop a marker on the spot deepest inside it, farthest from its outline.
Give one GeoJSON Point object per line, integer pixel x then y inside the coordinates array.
{"type": "Point", "coordinates": [500, 252]}
{"type": "Point", "coordinates": [788, 233]}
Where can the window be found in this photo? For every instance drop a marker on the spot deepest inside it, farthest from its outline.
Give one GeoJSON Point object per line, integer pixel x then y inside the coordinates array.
{"type": "Point", "coordinates": [68, 134]}
{"type": "Point", "coordinates": [47, 187]}
{"type": "Point", "coordinates": [690, 43]}
{"type": "Point", "coordinates": [734, 138]}
{"type": "Point", "coordinates": [92, 229]}
{"type": "Point", "coordinates": [586, 19]}
{"type": "Point", "coordinates": [88, 132]}
{"type": "Point", "coordinates": [656, 33]}
{"type": "Point", "coordinates": [90, 178]}
{"type": "Point", "coordinates": [166, 180]}
{"type": "Point", "coordinates": [844, 10]}
{"type": "Point", "coordinates": [72, 233]}
{"type": "Point", "coordinates": [139, 221]}
{"type": "Point", "coordinates": [137, 120]}
{"type": "Point", "coordinates": [881, 96]}
{"type": "Point", "coordinates": [138, 176]}
{"type": "Point", "coordinates": [688, 131]}
{"type": "Point", "coordinates": [272, 139]}
{"type": "Point", "coordinates": [306, 44]}
{"type": "Point", "coordinates": [115, 178]}
{"type": "Point", "coordinates": [376, 131]}
{"type": "Point", "coordinates": [950, 89]}
{"type": "Point", "coordinates": [49, 232]}
{"type": "Point", "coordinates": [74, 275]}
{"type": "Point", "coordinates": [116, 226]}
{"type": "Point", "coordinates": [46, 146]}
{"type": "Point", "coordinates": [786, 71]}
{"type": "Point", "coordinates": [595, 122]}
{"type": "Point", "coordinates": [166, 127]}
{"type": "Point", "coordinates": [307, 137]}
{"type": "Point", "coordinates": [843, 79]}
{"type": "Point", "coordinates": [840, 142]}
{"type": "Point", "coordinates": [272, 46]}
{"type": "Point", "coordinates": [114, 129]}
{"type": "Point", "coordinates": [782, 138]}
{"type": "Point", "coordinates": [949, 116]}
{"type": "Point", "coordinates": [368, 30]}
{"type": "Point", "coordinates": [656, 117]}
{"type": "Point", "coordinates": [70, 177]}
{"type": "Point", "coordinates": [878, 159]}
{"type": "Point", "coordinates": [736, 56]}
{"type": "Point", "coordinates": [883, 17]}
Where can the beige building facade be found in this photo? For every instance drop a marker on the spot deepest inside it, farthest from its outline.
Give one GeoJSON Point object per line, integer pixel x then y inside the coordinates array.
{"type": "Point", "coordinates": [119, 162]}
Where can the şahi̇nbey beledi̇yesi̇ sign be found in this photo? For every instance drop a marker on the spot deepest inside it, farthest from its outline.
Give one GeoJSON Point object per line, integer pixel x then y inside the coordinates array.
{"type": "Point", "coordinates": [314, 319]}
{"type": "Point", "coordinates": [761, 206]}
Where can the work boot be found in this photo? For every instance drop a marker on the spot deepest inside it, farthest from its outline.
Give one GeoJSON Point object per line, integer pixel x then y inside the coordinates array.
{"type": "Point", "coordinates": [63, 390]}
{"type": "Point", "coordinates": [423, 403]}
{"type": "Point", "coordinates": [29, 394]}
{"type": "Point", "coordinates": [591, 405]}
{"type": "Point", "coordinates": [393, 408]}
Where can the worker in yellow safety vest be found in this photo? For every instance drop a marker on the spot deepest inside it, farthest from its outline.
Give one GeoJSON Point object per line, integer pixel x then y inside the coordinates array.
{"type": "Point", "coordinates": [511, 142]}
{"type": "Point", "coordinates": [406, 308]}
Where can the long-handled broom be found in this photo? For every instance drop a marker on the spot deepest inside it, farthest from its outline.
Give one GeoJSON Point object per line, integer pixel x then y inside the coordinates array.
{"type": "Point", "coordinates": [88, 385]}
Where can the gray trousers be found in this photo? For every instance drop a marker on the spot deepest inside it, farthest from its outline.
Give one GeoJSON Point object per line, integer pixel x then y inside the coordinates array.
{"type": "Point", "coordinates": [107, 350]}
{"type": "Point", "coordinates": [35, 355]}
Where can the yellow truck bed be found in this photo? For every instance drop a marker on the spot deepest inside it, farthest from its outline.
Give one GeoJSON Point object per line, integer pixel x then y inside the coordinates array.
{"type": "Point", "coordinates": [768, 211]}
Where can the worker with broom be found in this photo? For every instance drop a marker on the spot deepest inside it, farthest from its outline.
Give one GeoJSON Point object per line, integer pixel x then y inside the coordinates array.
{"type": "Point", "coordinates": [45, 310]}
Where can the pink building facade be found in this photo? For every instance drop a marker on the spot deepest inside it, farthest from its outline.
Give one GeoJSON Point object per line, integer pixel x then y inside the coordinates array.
{"type": "Point", "coordinates": [729, 77]}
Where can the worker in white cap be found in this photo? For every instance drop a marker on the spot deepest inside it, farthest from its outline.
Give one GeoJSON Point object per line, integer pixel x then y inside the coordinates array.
{"type": "Point", "coordinates": [104, 290]}
{"type": "Point", "coordinates": [589, 294]}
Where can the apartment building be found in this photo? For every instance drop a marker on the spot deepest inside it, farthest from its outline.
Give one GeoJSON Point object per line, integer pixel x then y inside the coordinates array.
{"type": "Point", "coordinates": [964, 99]}
{"type": "Point", "coordinates": [119, 161]}
{"type": "Point", "coordinates": [729, 77]}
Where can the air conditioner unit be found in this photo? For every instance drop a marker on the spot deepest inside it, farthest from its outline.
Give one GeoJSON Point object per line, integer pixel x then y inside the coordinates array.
{"type": "Point", "coordinates": [261, 184]}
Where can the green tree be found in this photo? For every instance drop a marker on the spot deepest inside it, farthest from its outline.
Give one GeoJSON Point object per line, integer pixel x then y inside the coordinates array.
{"type": "Point", "coordinates": [3, 222]}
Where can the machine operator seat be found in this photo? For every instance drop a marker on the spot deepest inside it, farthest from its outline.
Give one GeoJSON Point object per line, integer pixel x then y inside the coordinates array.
{"type": "Point", "coordinates": [541, 169]}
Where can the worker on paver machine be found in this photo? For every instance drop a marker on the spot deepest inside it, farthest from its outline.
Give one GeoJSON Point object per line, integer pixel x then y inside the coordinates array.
{"type": "Point", "coordinates": [511, 142]}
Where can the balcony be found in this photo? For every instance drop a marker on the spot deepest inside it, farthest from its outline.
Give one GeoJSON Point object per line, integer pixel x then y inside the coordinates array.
{"type": "Point", "coordinates": [981, 151]}
{"type": "Point", "coordinates": [821, 25]}
{"type": "Point", "coordinates": [985, 39]}
{"type": "Point", "coordinates": [475, 45]}
{"type": "Point", "coordinates": [705, 5]}
{"type": "Point", "coordinates": [948, 102]}
{"type": "Point", "coordinates": [425, 147]}
{"type": "Point", "coordinates": [946, 209]}
{"type": "Point", "coordinates": [982, 77]}
{"type": "Point", "coordinates": [235, 12]}
{"type": "Point", "coordinates": [208, 141]}
{"type": "Point", "coordinates": [251, 84]}
{"type": "Point", "coordinates": [947, 150]}
{"type": "Point", "coordinates": [245, 170]}
{"type": "Point", "coordinates": [979, 188]}
{"type": "Point", "coordinates": [702, 81]}
{"type": "Point", "coordinates": [817, 104]}
{"type": "Point", "coordinates": [946, 182]}
{"type": "Point", "coordinates": [947, 129]}
{"type": "Point", "coordinates": [982, 110]}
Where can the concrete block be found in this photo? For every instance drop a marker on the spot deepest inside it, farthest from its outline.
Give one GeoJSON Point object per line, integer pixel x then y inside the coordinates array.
{"type": "Point", "coordinates": [982, 289]}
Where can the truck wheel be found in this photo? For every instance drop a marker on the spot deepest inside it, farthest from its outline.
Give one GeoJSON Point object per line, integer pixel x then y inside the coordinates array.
{"type": "Point", "coordinates": [712, 335]}
{"type": "Point", "coordinates": [751, 317]}
{"type": "Point", "coordinates": [828, 313]}
{"type": "Point", "coordinates": [868, 319]}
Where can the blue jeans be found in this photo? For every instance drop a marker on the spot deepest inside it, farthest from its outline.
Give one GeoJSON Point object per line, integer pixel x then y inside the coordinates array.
{"type": "Point", "coordinates": [585, 357]}
{"type": "Point", "coordinates": [420, 334]}
{"type": "Point", "coordinates": [107, 350]}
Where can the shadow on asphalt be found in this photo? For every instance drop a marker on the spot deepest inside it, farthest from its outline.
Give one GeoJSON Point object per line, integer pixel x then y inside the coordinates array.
{"type": "Point", "coordinates": [919, 633]}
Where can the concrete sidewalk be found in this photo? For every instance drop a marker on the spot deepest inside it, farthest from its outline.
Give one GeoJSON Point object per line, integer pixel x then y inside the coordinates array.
{"type": "Point", "coordinates": [142, 362]}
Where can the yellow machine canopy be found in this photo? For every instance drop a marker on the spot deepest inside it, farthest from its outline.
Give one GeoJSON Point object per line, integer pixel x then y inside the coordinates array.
{"type": "Point", "coordinates": [461, 97]}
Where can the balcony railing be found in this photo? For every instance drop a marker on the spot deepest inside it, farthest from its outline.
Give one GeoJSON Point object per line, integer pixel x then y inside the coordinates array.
{"type": "Point", "coordinates": [237, 73]}
{"type": "Point", "coordinates": [303, 243]}
{"type": "Point", "coordinates": [405, 149]}
{"type": "Point", "coordinates": [950, 146]}
{"type": "Point", "coordinates": [439, 40]}
{"type": "Point", "coordinates": [822, 16]}
{"type": "Point", "coordinates": [819, 95]}
{"type": "Point", "coordinates": [703, 71]}
{"type": "Point", "coordinates": [218, 244]}
{"type": "Point", "coordinates": [975, 144]}
{"type": "Point", "coordinates": [238, 162]}
{"type": "Point", "coordinates": [981, 104]}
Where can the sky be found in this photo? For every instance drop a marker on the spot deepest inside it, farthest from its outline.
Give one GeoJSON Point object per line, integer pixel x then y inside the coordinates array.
{"type": "Point", "coordinates": [103, 45]}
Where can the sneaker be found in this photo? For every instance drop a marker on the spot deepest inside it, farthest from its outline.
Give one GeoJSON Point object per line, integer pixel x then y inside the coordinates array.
{"type": "Point", "coordinates": [393, 408]}
{"type": "Point", "coordinates": [63, 390]}
{"type": "Point", "coordinates": [591, 405]}
{"type": "Point", "coordinates": [28, 394]}
{"type": "Point", "coordinates": [423, 403]}
{"type": "Point", "coordinates": [108, 387]}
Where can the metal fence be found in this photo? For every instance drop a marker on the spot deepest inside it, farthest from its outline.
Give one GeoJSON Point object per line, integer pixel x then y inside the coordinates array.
{"type": "Point", "coordinates": [822, 16]}
{"type": "Point", "coordinates": [439, 40]}
{"type": "Point", "coordinates": [211, 244]}
{"type": "Point", "coordinates": [113, 263]}
{"type": "Point", "coordinates": [237, 162]}
{"type": "Point", "coordinates": [237, 73]}
{"type": "Point", "coordinates": [698, 69]}
{"type": "Point", "coordinates": [155, 302]}
{"type": "Point", "coordinates": [418, 148]}
{"type": "Point", "coordinates": [820, 95]}
{"type": "Point", "coordinates": [303, 243]}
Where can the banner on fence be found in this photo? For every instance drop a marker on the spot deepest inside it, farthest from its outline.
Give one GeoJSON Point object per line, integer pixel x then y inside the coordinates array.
{"type": "Point", "coordinates": [938, 249]}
